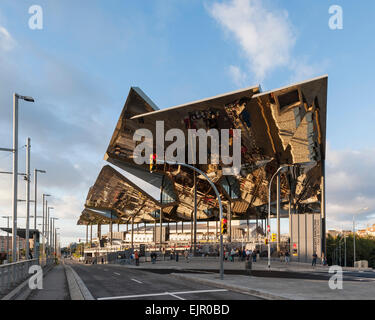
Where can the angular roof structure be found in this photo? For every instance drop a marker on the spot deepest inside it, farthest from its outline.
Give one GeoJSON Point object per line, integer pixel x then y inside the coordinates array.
{"type": "Point", "coordinates": [281, 126]}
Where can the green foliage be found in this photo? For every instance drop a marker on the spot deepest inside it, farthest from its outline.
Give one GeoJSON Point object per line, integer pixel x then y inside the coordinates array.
{"type": "Point", "coordinates": [365, 250]}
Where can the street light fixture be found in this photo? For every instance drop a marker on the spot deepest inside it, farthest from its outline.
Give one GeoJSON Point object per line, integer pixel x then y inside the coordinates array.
{"type": "Point", "coordinates": [269, 211]}
{"type": "Point", "coordinates": [16, 97]}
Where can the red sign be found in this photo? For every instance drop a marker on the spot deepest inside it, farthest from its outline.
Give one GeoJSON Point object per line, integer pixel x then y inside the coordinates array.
{"type": "Point", "coordinates": [268, 228]}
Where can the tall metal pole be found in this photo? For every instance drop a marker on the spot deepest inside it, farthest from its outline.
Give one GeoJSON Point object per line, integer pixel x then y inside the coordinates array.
{"type": "Point", "coordinates": [47, 231]}
{"type": "Point", "coordinates": [195, 214]}
{"type": "Point", "coordinates": [323, 245]}
{"type": "Point", "coordinates": [36, 256]}
{"type": "Point", "coordinates": [229, 217]}
{"type": "Point", "coordinates": [354, 258]}
{"type": "Point", "coordinates": [28, 146]}
{"type": "Point", "coordinates": [132, 240]}
{"type": "Point", "coordinates": [15, 176]}
{"type": "Point", "coordinates": [161, 227]}
{"type": "Point", "coordinates": [43, 218]}
{"type": "Point", "coordinates": [345, 250]}
{"type": "Point", "coordinates": [278, 210]}
{"type": "Point", "coordinates": [50, 226]}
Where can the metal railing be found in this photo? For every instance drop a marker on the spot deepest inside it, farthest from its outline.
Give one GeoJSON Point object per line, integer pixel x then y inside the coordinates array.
{"type": "Point", "coordinates": [14, 273]}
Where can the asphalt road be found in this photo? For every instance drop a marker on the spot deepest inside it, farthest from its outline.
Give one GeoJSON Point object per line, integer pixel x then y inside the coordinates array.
{"type": "Point", "coordinates": [107, 282]}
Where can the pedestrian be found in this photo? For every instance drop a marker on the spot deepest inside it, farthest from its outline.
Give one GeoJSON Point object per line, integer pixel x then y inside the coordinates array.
{"type": "Point", "coordinates": [315, 256]}
{"type": "Point", "coordinates": [232, 254]}
{"type": "Point", "coordinates": [176, 256]}
{"type": "Point", "coordinates": [153, 257]}
{"type": "Point", "coordinates": [324, 260]}
{"type": "Point", "coordinates": [243, 255]}
{"type": "Point", "coordinates": [281, 256]}
{"type": "Point", "coordinates": [287, 255]}
{"type": "Point", "coordinates": [247, 254]}
{"type": "Point", "coordinates": [186, 256]}
{"type": "Point", "coordinates": [226, 255]}
{"type": "Point", "coordinates": [254, 255]}
{"type": "Point", "coordinates": [136, 257]}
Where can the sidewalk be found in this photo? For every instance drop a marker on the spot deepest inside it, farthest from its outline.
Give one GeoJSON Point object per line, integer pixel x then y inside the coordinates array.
{"type": "Point", "coordinates": [210, 263]}
{"type": "Point", "coordinates": [55, 286]}
{"type": "Point", "coordinates": [295, 289]}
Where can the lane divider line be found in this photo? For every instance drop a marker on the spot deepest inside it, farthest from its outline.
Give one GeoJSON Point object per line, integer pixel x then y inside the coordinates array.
{"type": "Point", "coordinates": [173, 295]}
{"type": "Point", "coordinates": [136, 280]}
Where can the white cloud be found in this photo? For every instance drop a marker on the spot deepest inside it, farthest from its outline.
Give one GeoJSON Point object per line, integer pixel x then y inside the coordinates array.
{"type": "Point", "coordinates": [239, 77]}
{"type": "Point", "coordinates": [7, 43]}
{"type": "Point", "coordinates": [350, 187]}
{"type": "Point", "coordinates": [266, 36]}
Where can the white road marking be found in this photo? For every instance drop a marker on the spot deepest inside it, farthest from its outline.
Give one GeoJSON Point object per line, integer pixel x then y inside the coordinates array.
{"type": "Point", "coordinates": [136, 280]}
{"type": "Point", "coordinates": [200, 291]}
{"type": "Point", "coordinates": [173, 295]}
{"type": "Point", "coordinates": [162, 294]}
{"type": "Point", "coordinates": [105, 269]}
{"type": "Point", "coordinates": [117, 273]}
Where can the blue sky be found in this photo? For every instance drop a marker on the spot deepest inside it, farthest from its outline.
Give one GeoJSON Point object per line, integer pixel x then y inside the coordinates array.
{"type": "Point", "coordinates": [80, 67]}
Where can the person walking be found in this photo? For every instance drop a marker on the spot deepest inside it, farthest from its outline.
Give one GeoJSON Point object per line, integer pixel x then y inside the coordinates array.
{"type": "Point", "coordinates": [232, 254]}
{"type": "Point", "coordinates": [136, 257]}
{"type": "Point", "coordinates": [153, 257]}
{"type": "Point", "coordinates": [247, 254]}
{"type": "Point", "coordinates": [315, 256]}
{"type": "Point", "coordinates": [226, 255]}
{"type": "Point", "coordinates": [287, 257]}
{"type": "Point", "coordinates": [176, 256]}
{"type": "Point", "coordinates": [254, 255]}
{"type": "Point", "coordinates": [186, 256]}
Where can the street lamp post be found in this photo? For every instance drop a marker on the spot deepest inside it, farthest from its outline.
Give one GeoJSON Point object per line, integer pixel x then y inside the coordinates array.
{"type": "Point", "coordinates": [53, 232]}
{"type": "Point", "coordinates": [55, 242]}
{"type": "Point", "coordinates": [48, 230]}
{"type": "Point", "coordinates": [220, 206]}
{"type": "Point", "coordinates": [269, 211]}
{"type": "Point", "coordinates": [15, 170]}
{"type": "Point", "coordinates": [28, 146]}
{"type": "Point", "coordinates": [36, 250]}
{"type": "Point", "coordinates": [353, 242]}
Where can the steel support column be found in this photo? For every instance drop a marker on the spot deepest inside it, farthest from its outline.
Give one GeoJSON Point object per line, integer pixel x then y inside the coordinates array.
{"type": "Point", "coordinates": [229, 213]}
{"type": "Point", "coordinates": [161, 228]}
{"type": "Point", "coordinates": [195, 214]}
{"type": "Point", "coordinates": [278, 210]}
{"type": "Point", "coordinates": [323, 244]}
{"type": "Point", "coordinates": [132, 238]}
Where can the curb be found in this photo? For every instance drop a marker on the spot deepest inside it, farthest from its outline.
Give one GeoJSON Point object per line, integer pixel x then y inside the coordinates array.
{"type": "Point", "coordinates": [77, 289]}
{"type": "Point", "coordinates": [257, 293]}
{"type": "Point", "coordinates": [16, 293]}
